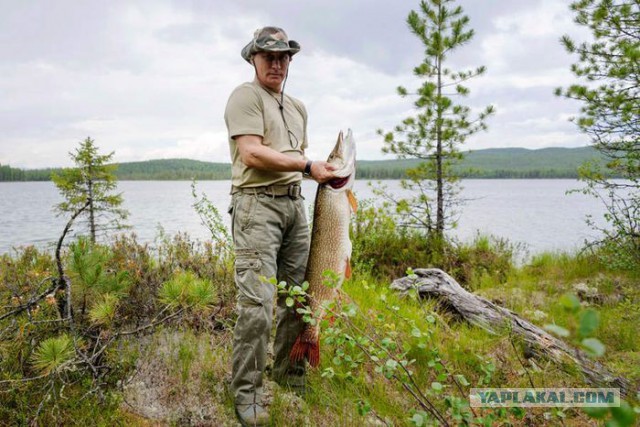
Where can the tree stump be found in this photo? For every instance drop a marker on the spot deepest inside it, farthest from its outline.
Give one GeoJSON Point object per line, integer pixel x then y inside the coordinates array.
{"type": "Point", "coordinates": [435, 283]}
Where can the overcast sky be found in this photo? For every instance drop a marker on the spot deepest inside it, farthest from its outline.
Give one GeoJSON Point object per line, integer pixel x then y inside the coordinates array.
{"type": "Point", "coordinates": [150, 79]}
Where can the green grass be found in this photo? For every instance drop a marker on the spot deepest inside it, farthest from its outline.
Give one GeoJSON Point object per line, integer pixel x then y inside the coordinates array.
{"type": "Point", "coordinates": [185, 366]}
{"type": "Point", "coordinates": [467, 350]}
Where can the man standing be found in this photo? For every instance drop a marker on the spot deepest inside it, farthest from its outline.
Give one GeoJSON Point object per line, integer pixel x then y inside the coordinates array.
{"type": "Point", "coordinates": [267, 139]}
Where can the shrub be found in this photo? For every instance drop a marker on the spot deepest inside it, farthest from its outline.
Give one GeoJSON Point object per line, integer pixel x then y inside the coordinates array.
{"type": "Point", "coordinates": [385, 249]}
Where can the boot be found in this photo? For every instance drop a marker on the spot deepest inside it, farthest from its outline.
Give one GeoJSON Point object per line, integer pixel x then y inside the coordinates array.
{"type": "Point", "coordinates": [252, 415]}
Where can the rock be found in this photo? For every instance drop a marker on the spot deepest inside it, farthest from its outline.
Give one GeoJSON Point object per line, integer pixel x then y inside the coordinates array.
{"type": "Point", "coordinates": [588, 294]}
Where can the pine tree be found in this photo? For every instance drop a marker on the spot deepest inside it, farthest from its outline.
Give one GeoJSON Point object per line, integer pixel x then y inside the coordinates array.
{"type": "Point", "coordinates": [441, 125]}
{"type": "Point", "coordinates": [608, 68]}
{"type": "Point", "coordinates": [92, 180]}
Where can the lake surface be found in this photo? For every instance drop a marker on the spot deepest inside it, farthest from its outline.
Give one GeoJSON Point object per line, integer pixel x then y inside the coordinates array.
{"type": "Point", "coordinates": [537, 213]}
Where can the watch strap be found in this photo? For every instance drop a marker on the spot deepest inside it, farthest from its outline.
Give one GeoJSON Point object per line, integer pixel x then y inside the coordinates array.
{"type": "Point", "coordinates": [307, 168]}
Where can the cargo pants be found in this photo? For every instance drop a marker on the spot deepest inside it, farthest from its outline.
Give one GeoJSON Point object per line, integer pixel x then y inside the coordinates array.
{"type": "Point", "coordinates": [271, 238]}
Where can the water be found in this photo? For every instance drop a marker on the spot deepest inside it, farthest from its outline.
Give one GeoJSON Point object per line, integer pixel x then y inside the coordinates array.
{"type": "Point", "coordinates": [535, 212]}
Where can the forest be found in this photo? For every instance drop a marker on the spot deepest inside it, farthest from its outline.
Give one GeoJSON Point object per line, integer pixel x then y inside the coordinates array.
{"type": "Point", "coordinates": [511, 163]}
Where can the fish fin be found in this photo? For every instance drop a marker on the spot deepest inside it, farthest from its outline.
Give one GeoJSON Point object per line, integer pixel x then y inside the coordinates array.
{"type": "Point", "coordinates": [303, 349]}
{"type": "Point", "coordinates": [299, 350]}
{"type": "Point", "coordinates": [347, 269]}
{"type": "Point", "coordinates": [313, 354]}
{"type": "Point", "coordinates": [352, 201]}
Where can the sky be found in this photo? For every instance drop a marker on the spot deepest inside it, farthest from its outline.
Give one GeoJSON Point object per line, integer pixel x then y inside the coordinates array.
{"type": "Point", "coordinates": [150, 79]}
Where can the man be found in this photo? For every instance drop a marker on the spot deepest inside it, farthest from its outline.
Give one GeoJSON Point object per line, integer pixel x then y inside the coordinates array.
{"type": "Point", "coordinates": [267, 139]}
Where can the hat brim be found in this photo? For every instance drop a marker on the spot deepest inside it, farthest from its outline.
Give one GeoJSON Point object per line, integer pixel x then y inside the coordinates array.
{"type": "Point", "coordinates": [251, 49]}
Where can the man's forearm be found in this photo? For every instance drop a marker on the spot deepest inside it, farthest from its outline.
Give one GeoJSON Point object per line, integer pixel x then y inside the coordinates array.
{"type": "Point", "coordinates": [265, 158]}
{"type": "Point", "coordinates": [255, 155]}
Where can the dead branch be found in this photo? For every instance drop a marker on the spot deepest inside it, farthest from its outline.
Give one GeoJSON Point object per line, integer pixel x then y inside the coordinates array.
{"type": "Point", "coordinates": [34, 300]}
{"type": "Point", "coordinates": [64, 306]}
{"type": "Point", "coordinates": [435, 283]}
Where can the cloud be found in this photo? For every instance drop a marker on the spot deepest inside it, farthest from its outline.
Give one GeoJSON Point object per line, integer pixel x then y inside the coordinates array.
{"type": "Point", "coordinates": [151, 78]}
{"type": "Point", "coordinates": [207, 145]}
{"type": "Point", "coordinates": [162, 90]}
{"type": "Point", "coordinates": [343, 93]}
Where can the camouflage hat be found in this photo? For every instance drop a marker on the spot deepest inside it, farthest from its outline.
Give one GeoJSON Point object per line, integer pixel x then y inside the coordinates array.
{"type": "Point", "coordinates": [269, 39]}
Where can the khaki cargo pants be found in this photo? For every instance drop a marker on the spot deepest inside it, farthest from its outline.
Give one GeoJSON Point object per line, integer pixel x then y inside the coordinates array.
{"type": "Point", "coordinates": [271, 238]}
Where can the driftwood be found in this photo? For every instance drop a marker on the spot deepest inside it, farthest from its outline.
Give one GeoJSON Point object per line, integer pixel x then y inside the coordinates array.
{"type": "Point", "coordinates": [435, 283]}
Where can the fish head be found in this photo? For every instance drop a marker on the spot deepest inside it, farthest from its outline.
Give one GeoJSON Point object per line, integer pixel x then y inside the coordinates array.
{"type": "Point", "coordinates": [343, 159]}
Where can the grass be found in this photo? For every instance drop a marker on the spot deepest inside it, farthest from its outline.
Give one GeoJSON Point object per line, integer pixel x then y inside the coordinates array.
{"type": "Point", "coordinates": [179, 373]}
{"type": "Point", "coordinates": [469, 351]}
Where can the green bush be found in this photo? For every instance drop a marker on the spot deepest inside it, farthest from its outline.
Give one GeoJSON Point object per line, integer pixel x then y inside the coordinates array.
{"type": "Point", "coordinates": [115, 292]}
{"type": "Point", "coordinates": [385, 249]}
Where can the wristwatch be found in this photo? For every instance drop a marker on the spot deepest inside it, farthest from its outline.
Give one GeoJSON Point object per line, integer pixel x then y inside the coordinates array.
{"type": "Point", "coordinates": [307, 168]}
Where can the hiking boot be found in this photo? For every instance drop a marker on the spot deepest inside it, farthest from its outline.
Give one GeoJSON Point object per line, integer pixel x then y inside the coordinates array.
{"type": "Point", "coordinates": [296, 385]}
{"type": "Point", "coordinates": [252, 414]}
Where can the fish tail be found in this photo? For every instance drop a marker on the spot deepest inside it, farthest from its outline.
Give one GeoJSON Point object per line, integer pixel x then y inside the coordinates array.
{"type": "Point", "coordinates": [305, 348]}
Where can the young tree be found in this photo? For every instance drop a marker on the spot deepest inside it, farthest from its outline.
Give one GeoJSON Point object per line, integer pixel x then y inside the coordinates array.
{"type": "Point", "coordinates": [609, 69]}
{"type": "Point", "coordinates": [93, 181]}
{"type": "Point", "coordinates": [440, 125]}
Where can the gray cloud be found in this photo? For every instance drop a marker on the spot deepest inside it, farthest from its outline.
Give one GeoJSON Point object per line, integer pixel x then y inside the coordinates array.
{"type": "Point", "coordinates": [151, 78]}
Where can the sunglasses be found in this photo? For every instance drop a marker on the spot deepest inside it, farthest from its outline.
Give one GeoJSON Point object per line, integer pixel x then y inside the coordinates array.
{"type": "Point", "coordinates": [271, 58]}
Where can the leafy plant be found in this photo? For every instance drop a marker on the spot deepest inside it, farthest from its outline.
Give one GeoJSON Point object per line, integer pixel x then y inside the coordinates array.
{"type": "Point", "coordinates": [185, 289]}
{"type": "Point", "coordinates": [53, 353]}
{"type": "Point", "coordinates": [588, 321]}
{"type": "Point", "coordinates": [210, 217]}
{"type": "Point", "coordinates": [104, 311]}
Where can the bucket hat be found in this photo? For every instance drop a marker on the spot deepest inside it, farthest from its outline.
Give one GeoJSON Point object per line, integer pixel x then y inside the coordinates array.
{"type": "Point", "coordinates": [269, 39]}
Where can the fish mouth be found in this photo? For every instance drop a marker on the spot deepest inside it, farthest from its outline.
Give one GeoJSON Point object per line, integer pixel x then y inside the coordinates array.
{"type": "Point", "coordinates": [338, 183]}
{"type": "Point", "coordinates": [343, 158]}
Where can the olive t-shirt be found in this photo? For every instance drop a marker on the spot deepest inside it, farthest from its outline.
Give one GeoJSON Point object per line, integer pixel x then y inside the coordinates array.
{"type": "Point", "coordinates": [254, 110]}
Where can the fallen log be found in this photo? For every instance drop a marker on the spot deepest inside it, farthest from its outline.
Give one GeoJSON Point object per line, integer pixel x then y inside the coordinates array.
{"type": "Point", "coordinates": [435, 283]}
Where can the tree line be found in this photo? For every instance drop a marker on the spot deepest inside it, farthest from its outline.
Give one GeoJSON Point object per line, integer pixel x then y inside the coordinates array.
{"type": "Point", "coordinates": [7, 173]}
{"type": "Point", "coordinates": [493, 163]}
{"type": "Point", "coordinates": [163, 170]}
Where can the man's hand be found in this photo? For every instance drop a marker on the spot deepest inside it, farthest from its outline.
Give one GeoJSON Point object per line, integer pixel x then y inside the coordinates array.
{"type": "Point", "coordinates": [322, 171]}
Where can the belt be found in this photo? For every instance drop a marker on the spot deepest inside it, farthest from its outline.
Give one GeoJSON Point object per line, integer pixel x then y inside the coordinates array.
{"type": "Point", "coordinates": [291, 190]}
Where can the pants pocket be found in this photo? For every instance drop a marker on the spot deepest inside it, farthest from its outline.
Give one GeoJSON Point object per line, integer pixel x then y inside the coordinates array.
{"type": "Point", "coordinates": [251, 290]}
{"type": "Point", "coordinates": [230, 208]}
{"type": "Point", "coordinates": [246, 209]}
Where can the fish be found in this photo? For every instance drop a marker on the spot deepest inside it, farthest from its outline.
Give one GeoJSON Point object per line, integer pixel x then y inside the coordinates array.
{"type": "Point", "coordinates": [330, 247]}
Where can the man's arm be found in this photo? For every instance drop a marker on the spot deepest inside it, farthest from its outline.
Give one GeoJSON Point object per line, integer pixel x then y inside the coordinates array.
{"type": "Point", "coordinates": [255, 155]}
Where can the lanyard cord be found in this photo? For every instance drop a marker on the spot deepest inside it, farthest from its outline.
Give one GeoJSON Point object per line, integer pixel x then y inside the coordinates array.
{"type": "Point", "coordinates": [281, 107]}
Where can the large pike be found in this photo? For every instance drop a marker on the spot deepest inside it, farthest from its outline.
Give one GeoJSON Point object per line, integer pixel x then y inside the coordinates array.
{"type": "Point", "coordinates": [330, 244]}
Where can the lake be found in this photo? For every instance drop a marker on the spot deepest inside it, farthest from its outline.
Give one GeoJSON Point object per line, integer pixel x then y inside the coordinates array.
{"type": "Point", "coordinates": [537, 213]}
